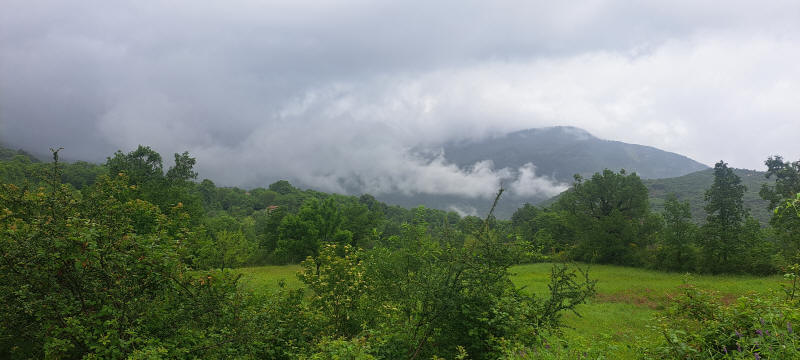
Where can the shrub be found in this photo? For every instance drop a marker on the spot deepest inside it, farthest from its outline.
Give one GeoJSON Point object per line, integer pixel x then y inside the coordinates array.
{"type": "Point", "coordinates": [698, 325]}
{"type": "Point", "coordinates": [97, 275]}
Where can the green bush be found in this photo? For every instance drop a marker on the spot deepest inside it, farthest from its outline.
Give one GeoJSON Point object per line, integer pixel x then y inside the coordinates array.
{"type": "Point", "coordinates": [98, 275]}
{"type": "Point", "coordinates": [698, 325]}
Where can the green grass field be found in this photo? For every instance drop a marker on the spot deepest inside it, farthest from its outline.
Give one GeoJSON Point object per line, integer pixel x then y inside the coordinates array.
{"type": "Point", "coordinates": [613, 323]}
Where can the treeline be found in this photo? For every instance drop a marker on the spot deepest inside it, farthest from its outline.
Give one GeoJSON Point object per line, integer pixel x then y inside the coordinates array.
{"type": "Point", "coordinates": [603, 219]}
{"type": "Point", "coordinates": [233, 227]}
{"type": "Point", "coordinates": [607, 219]}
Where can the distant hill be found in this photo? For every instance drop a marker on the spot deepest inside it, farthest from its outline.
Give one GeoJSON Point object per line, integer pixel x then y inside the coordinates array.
{"type": "Point", "coordinates": [557, 152]}
{"type": "Point", "coordinates": [692, 188]}
{"type": "Point", "coordinates": [8, 154]}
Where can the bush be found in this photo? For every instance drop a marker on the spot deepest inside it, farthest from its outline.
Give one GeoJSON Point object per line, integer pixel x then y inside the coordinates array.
{"type": "Point", "coordinates": [98, 275]}
{"type": "Point", "coordinates": [698, 325]}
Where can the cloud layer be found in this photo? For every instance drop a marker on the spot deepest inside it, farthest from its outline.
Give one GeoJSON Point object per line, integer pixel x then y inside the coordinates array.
{"type": "Point", "coordinates": [338, 94]}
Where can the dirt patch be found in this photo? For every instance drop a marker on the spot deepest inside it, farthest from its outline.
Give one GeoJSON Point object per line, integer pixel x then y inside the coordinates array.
{"type": "Point", "coordinates": [646, 298]}
{"type": "Point", "coordinates": [650, 299]}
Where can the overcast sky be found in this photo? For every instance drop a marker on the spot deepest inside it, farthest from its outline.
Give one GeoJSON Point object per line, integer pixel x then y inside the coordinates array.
{"type": "Point", "coordinates": [335, 93]}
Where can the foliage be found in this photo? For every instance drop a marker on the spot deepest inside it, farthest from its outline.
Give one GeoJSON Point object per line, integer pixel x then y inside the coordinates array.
{"type": "Point", "coordinates": [340, 289]}
{"type": "Point", "coordinates": [610, 218]}
{"type": "Point", "coordinates": [787, 181]}
{"type": "Point", "coordinates": [676, 250]}
{"type": "Point", "coordinates": [699, 326]}
{"type": "Point", "coordinates": [692, 188]}
{"type": "Point", "coordinates": [144, 169]}
{"type": "Point", "coordinates": [414, 296]}
{"type": "Point", "coordinates": [731, 241]}
{"type": "Point", "coordinates": [98, 275]}
{"type": "Point", "coordinates": [785, 188]}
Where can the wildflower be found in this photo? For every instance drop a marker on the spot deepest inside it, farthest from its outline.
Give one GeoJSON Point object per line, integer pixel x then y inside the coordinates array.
{"type": "Point", "coordinates": [762, 321]}
{"type": "Point", "coordinates": [738, 334]}
{"type": "Point", "coordinates": [759, 332]}
{"type": "Point", "coordinates": [758, 357]}
{"type": "Point", "coordinates": [789, 327]}
{"type": "Point", "coordinates": [738, 347]}
{"type": "Point", "coordinates": [725, 349]}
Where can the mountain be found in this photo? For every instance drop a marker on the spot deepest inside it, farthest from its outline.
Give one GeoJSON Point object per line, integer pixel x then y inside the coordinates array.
{"type": "Point", "coordinates": [692, 188]}
{"type": "Point", "coordinates": [558, 153]}
{"type": "Point", "coordinates": [564, 151]}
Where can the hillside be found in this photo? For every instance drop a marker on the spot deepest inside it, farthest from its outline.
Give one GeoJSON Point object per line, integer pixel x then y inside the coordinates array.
{"type": "Point", "coordinates": [564, 151]}
{"type": "Point", "coordinates": [692, 188]}
{"type": "Point", "coordinates": [7, 154]}
{"type": "Point", "coordinates": [557, 152]}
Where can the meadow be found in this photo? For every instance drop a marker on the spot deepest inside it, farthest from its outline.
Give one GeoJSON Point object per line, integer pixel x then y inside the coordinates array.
{"type": "Point", "coordinates": [616, 322]}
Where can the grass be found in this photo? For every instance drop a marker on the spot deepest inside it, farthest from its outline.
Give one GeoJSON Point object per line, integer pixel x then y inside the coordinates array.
{"type": "Point", "coordinates": [613, 323]}
{"type": "Point", "coordinates": [617, 319]}
{"type": "Point", "coordinates": [267, 278]}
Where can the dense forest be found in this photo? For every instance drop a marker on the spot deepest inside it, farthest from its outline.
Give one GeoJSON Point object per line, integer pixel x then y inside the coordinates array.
{"type": "Point", "coordinates": [128, 259]}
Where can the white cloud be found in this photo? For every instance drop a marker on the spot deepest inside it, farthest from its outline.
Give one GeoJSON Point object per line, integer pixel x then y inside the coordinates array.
{"type": "Point", "coordinates": [528, 184]}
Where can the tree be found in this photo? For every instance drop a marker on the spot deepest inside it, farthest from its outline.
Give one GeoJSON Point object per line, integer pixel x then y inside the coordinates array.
{"type": "Point", "coordinates": [610, 216]}
{"type": "Point", "coordinates": [676, 248]}
{"type": "Point", "coordinates": [787, 180]}
{"type": "Point", "coordinates": [787, 185]}
{"type": "Point", "coordinates": [142, 166]}
{"type": "Point", "coordinates": [144, 169]}
{"type": "Point", "coordinates": [297, 239]}
{"type": "Point", "coordinates": [282, 187]}
{"type": "Point", "coordinates": [725, 211]}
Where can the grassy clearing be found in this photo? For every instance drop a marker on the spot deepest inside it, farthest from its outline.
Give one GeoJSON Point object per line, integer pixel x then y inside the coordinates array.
{"type": "Point", "coordinates": [617, 320]}
{"type": "Point", "coordinates": [267, 278]}
{"type": "Point", "coordinates": [614, 323]}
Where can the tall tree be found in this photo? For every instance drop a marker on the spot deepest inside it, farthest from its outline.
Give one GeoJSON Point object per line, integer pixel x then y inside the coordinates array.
{"type": "Point", "coordinates": [726, 214]}
{"type": "Point", "coordinates": [787, 185]}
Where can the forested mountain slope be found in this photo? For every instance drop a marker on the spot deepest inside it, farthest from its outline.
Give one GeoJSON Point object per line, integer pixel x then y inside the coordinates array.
{"type": "Point", "coordinates": [7, 154]}
{"type": "Point", "coordinates": [692, 188]}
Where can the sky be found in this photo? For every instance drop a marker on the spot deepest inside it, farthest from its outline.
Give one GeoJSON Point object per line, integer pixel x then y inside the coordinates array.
{"type": "Point", "coordinates": [338, 94]}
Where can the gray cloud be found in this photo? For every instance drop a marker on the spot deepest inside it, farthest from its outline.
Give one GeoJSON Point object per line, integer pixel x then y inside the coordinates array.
{"type": "Point", "coordinates": [337, 94]}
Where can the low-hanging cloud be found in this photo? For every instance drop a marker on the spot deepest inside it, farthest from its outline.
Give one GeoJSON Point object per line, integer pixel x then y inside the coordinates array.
{"type": "Point", "coordinates": [341, 95]}
{"type": "Point", "coordinates": [528, 184]}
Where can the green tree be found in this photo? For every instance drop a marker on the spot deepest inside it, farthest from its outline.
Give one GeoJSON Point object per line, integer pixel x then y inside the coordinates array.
{"type": "Point", "coordinates": [787, 184]}
{"type": "Point", "coordinates": [298, 238]}
{"type": "Point", "coordinates": [282, 187]}
{"type": "Point", "coordinates": [721, 240]}
{"type": "Point", "coordinates": [144, 169]}
{"type": "Point", "coordinates": [610, 217]}
{"type": "Point", "coordinates": [677, 251]}
{"type": "Point", "coordinates": [787, 180]}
